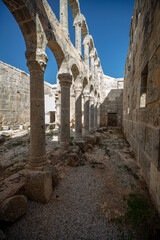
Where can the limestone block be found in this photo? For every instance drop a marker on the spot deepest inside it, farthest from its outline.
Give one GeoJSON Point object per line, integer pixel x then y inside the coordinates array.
{"type": "Point", "coordinates": [152, 146]}
{"type": "Point", "coordinates": [38, 186]}
{"type": "Point", "coordinates": [140, 134]}
{"type": "Point", "coordinates": [155, 185]}
{"type": "Point", "coordinates": [73, 160]}
{"type": "Point", "coordinates": [54, 173]}
{"type": "Point", "coordinates": [13, 208]}
{"type": "Point", "coordinates": [144, 163]}
{"type": "Point", "coordinates": [90, 139]}
{"type": "Point", "coordinates": [135, 148]}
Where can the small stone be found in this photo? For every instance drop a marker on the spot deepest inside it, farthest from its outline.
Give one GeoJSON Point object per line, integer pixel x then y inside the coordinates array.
{"type": "Point", "coordinates": [2, 139]}
{"type": "Point", "coordinates": [13, 208]}
{"type": "Point", "coordinates": [38, 186]}
{"type": "Point", "coordinates": [90, 146]}
{"type": "Point", "coordinates": [73, 160]}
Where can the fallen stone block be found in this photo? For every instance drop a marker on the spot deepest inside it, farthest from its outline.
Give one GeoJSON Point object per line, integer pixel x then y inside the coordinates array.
{"type": "Point", "coordinates": [38, 186]}
{"type": "Point", "coordinates": [13, 208]}
{"type": "Point", "coordinates": [73, 160]}
{"type": "Point", "coordinates": [13, 185]}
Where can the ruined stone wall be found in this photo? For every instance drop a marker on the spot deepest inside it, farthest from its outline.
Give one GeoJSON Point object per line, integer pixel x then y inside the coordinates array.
{"type": "Point", "coordinates": [113, 103]}
{"type": "Point", "coordinates": [112, 99]}
{"type": "Point", "coordinates": [141, 122]}
{"type": "Point", "coordinates": [15, 97]}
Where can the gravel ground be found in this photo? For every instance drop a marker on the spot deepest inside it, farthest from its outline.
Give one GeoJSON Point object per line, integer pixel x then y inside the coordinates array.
{"type": "Point", "coordinates": [73, 212]}
{"type": "Point", "coordinates": [87, 199]}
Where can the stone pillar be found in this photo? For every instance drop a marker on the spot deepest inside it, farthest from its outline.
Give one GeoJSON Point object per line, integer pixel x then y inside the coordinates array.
{"type": "Point", "coordinates": [95, 115]}
{"type": "Point", "coordinates": [64, 15]}
{"type": "Point", "coordinates": [78, 114]}
{"type": "Point", "coordinates": [86, 114]}
{"type": "Point", "coordinates": [96, 72]}
{"type": "Point", "coordinates": [92, 64]}
{"type": "Point", "coordinates": [86, 53]}
{"type": "Point", "coordinates": [91, 114]}
{"type": "Point", "coordinates": [65, 80]}
{"type": "Point", "coordinates": [37, 64]}
{"type": "Point", "coordinates": [98, 114]}
{"type": "Point", "coordinates": [78, 38]}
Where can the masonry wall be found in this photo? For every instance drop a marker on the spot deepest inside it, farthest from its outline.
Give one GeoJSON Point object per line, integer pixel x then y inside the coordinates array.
{"type": "Point", "coordinates": [141, 121]}
{"type": "Point", "coordinates": [15, 98]}
{"type": "Point", "coordinates": [113, 103]}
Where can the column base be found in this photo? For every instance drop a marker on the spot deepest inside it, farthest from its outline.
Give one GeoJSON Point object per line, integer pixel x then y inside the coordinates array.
{"type": "Point", "coordinates": [37, 163]}
{"type": "Point", "coordinates": [64, 145]}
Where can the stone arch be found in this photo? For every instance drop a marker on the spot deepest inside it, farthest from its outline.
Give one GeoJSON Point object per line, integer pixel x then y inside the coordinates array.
{"type": "Point", "coordinates": [85, 82]}
{"type": "Point", "coordinates": [57, 52]}
{"type": "Point", "coordinates": [27, 19]}
{"type": "Point", "coordinates": [84, 27]}
{"type": "Point", "coordinates": [74, 67]}
{"type": "Point", "coordinates": [75, 7]}
{"type": "Point", "coordinates": [95, 93]}
{"type": "Point", "coordinates": [91, 89]}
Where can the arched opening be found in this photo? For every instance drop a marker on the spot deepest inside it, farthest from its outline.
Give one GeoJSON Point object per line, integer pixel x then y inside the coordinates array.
{"type": "Point", "coordinates": [14, 78]}
{"type": "Point", "coordinates": [51, 90]}
{"type": "Point", "coordinates": [15, 47]}
{"type": "Point", "coordinates": [55, 7]}
{"type": "Point", "coordinates": [75, 73]}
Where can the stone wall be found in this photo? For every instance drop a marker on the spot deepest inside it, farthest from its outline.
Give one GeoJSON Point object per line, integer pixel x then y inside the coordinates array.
{"type": "Point", "coordinates": [142, 92]}
{"type": "Point", "coordinates": [113, 103]}
{"type": "Point", "coordinates": [15, 97]}
{"type": "Point", "coordinates": [112, 99]}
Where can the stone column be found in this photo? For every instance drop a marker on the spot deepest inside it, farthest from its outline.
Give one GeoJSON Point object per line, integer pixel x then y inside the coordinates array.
{"type": "Point", "coordinates": [96, 72]}
{"type": "Point", "coordinates": [92, 64]}
{"type": "Point", "coordinates": [78, 38]}
{"type": "Point", "coordinates": [78, 114]}
{"type": "Point", "coordinates": [37, 64]}
{"type": "Point", "coordinates": [64, 15]}
{"type": "Point", "coordinates": [86, 53]}
{"type": "Point", "coordinates": [98, 114]}
{"type": "Point", "coordinates": [86, 114]}
{"type": "Point", "coordinates": [91, 114]}
{"type": "Point", "coordinates": [95, 115]}
{"type": "Point", "coordinates": [65, 80]}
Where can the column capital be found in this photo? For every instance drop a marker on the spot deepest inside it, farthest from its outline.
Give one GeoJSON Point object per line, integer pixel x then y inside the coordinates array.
{"type": "Point", "coordinates": [78, 89]}
{"type": "Point", "coordinates": [86, 94]}
{"type": "Point", "coordinates": [77, 23]}
{"type": "Point", "coordinates": [91, 98]}
{"type": "Point", "coordinates": [36, 61]}
{"type": "Point", "coordinates": [65, 79]}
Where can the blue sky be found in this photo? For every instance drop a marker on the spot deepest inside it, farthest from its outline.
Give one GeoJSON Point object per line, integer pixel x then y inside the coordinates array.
{"type": "Point", "coordinates": [108, 22]}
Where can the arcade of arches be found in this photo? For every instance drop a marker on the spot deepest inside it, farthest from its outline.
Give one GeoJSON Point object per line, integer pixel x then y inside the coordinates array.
{"type": "Point", "coordinates": [139, 116]}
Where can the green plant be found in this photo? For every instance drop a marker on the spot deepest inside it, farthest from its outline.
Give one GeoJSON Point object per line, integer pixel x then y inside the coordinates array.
{"type": "Point", "coordinates": [127, 168]}
{"type": "Point", "coordinates": [17, 144]}
{"type": "Point", "coordinates": [138, 210]}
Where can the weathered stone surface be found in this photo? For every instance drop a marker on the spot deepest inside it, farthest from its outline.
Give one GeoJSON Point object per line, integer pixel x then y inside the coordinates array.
{"type": "Point", "coordinates": [13, 208]}
{"type": "Point", "coordinates": [54, 173]}
{"type": "Point", "coordinates": [13, 185]}
{"type": "Point", "coordinates": [142, 91]}
{"type": "Point", "coordinates": [144, 162]}
{"type": "Point", "coordinates": [38, 186]}
{"type": "Point", "coordinates": [73, 160]}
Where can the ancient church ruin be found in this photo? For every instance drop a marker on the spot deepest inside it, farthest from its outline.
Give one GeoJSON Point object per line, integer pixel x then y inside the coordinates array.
{"type": "Point", "coordinates": [84, 100]}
